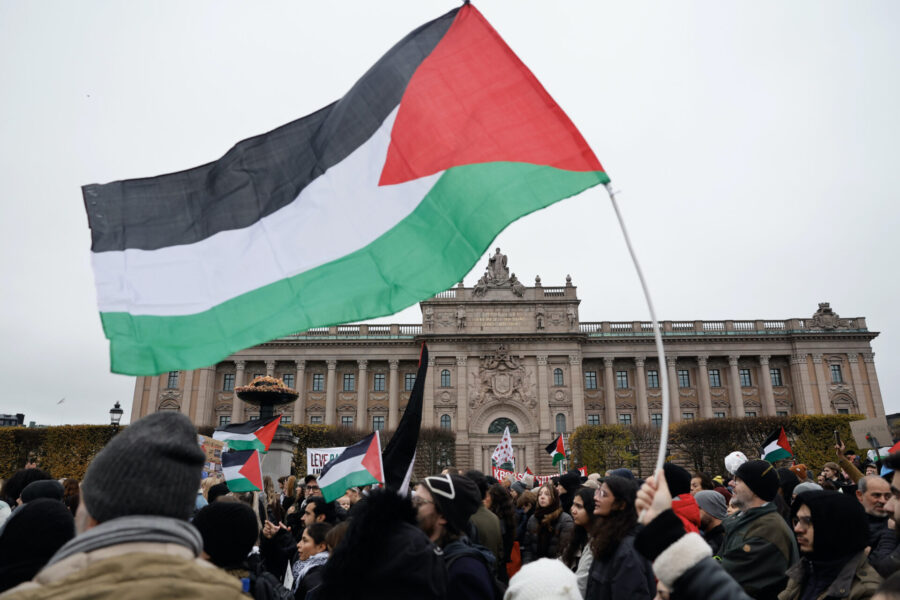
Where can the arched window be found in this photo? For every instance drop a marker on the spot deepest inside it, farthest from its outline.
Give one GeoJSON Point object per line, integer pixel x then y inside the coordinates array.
{"type": "Point", "coordinates": [560, 423]}
{"type": "Point", "coordinates": [445, 378]}
{"type": "Point", "coordinates": [557, 377]}
{"type": "Point", "coordinates": [498, 425]}
{"type": "Point", "coordinates": [445, 422]}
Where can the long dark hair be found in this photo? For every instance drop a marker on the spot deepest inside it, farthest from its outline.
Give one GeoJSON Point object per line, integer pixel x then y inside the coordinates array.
{"type": "Point", "coordinates": [502, 506]}
{"type": "Point", "coordinates": [546, 517]}
{"type": "Point", "coordinates": [579, 537]}
{"type": "Point", "coordinates": [608, 531]}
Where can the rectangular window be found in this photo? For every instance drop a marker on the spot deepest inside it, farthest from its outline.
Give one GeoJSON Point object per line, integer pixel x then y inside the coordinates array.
{"type": "Point", "coordinates": [745, 377]}
{"type": "Point", "coordinates": [593, 419]}
{"type": "Point", "coordinates": [172, 383]}
{"type": "Point", "coordinates": [836, 375]}
{"type": "Point", "coordinates": [781, 413]}
{"type": "Point", "coordinates": [687, 416]}
{"type": "Point", "coordinates": [377, 423]}
{"type": "Point", "coordinates": [750, 413]}
{"type": "Point", "coordinates": [775, 376]}
{"type": "Point", "coordinates": [621, 380]}
{"type": "Point", "coordinates": [409, 380]}
{"type": "Point", "coordinates": [286, 419]}
{"type": "Point", "coordinates": [625, 419]}
{"type": "Point", "coordinates": [843, 411]}
{"type": "Point", "coordinates": [719, 415]}
{"type": "Point", "coordinates": [288, 379]}
{"type": "Point", "coordinates": [315, 420]}
{"type": "Point", "coordinates": [590, 380]}
{"type": "Point", "coordinates": [349, 382]}
{"type": "Point", "coordinates": [318, 382]}
{"type": "Point", "coordinates": [224, 420]}
{"type": "Point", "coordinates": [346, 421]}
{"type": "Point", "coordinates": [653, 379]}
{"type": "Point", "coordinates": [255, 375]}
{"type": "Point", "coordinates": [445, 378]}
{"type": "Point", "coordinates": [656, 419]}
{"type": "Point", "coordinates": [228, 383]}
{"type": "Point", "coordinates": [684, 378]}
{"type": "Point", "coordinates": [379, 382]}
{"type": "Point", "coordinates": [715, 378]}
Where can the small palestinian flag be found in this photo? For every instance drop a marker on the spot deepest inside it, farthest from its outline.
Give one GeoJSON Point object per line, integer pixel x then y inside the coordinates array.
{"type": "Point", "coordinates": [557, 450]}
{"type": "Point", "coordinates": [776, 447]}
{"type": "Point", "coordinates": [360, 464]}
{"type": "Point", "coordinates": [255, 434]}
{"type": "Point", "coordinates": [242, 470]}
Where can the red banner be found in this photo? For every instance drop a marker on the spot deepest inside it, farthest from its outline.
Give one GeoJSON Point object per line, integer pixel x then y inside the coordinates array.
{"type": "Point", "coordinates": [501, 474]}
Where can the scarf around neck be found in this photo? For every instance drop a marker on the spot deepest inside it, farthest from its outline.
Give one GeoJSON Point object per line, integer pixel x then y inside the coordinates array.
{"type": "Point", "coordinates": [302, 567]}
{"type": "Point", "coordinates": [138, 528]}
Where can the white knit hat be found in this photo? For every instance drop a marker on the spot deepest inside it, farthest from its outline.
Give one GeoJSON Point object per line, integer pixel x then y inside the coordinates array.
{"type": "Point", "coordinates": [542, 579]}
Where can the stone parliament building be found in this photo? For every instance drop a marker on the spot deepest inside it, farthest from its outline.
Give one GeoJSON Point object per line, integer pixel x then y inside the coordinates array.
{"type": "Point", "coordinates": [504, 354]}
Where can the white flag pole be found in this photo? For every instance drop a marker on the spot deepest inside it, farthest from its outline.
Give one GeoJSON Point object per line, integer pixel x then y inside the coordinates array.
{"type": "Point", "coordinates": [664, 428]}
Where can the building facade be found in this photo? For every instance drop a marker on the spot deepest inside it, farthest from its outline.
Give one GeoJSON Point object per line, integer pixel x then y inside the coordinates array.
{"type": "Point", "coordinates": [505, 354]}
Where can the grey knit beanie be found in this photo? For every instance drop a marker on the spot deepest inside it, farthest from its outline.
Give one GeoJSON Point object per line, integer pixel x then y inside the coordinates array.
{"type": "Point", "coordinates": [151, 468]}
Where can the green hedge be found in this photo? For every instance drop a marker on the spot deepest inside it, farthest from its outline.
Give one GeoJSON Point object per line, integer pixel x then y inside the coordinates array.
{"type": "Point", "coordinates": [703, 444]}
{"type": "Point", "coordinates": [67, 450]}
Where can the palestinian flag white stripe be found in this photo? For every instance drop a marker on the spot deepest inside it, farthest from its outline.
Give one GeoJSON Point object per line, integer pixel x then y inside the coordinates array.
{"type": "Point", "coordinates": [327, 221]}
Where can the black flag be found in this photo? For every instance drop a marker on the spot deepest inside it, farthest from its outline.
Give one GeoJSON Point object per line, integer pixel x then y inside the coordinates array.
{"type": "Point", "coordinates": [399, 455]}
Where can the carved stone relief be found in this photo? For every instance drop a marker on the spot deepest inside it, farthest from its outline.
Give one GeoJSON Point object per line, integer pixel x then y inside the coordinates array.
{"type": "Point", "coordinates": [502, 377]}
{"type": "Point", "coordinates": [826, 318]}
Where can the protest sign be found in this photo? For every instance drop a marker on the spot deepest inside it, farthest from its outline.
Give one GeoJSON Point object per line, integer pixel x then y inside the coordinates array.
{"type": "Point", "coordinates": [501, 474]}
{"type": "Point", "coordinates": [213, 450]}
{"type": "Point", "coordinates": [877, 427]}
{"type": "Point", "coordinates": [317, 458]}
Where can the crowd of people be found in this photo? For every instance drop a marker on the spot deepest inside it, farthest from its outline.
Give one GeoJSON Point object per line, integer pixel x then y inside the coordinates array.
{"type": "Point", "coordinates": [142, 524]}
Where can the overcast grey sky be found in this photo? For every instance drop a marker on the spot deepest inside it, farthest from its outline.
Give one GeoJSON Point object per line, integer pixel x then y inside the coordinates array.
{"type": "Point", "coordinates": [754, 144]}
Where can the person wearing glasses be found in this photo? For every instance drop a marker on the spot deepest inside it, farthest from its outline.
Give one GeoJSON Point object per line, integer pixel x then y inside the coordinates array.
{"type": "Point", "coordinates": [832, 533]}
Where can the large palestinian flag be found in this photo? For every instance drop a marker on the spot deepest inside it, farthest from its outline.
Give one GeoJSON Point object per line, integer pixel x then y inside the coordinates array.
{"type": "Point", "coordinates": [242, 470]}
{"type": "Point", "coordinates": [377, 201]}
{"type": "Point", "coordinates": [255, 434]}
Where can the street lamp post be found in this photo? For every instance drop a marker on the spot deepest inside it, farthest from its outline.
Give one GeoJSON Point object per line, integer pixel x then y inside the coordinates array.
{"type": "Point", "coordinates": [115, 416]}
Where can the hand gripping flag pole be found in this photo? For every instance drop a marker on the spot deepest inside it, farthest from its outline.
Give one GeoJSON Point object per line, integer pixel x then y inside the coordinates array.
{"type": "Point", "coordinates": [664, 428]}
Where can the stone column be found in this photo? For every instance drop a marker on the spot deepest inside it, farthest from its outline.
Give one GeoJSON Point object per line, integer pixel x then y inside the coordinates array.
{"type": "Point", "coordinates": [801, 383]}
{"type": "Point", "coordinates": [137, 399]}
{"type": "Point", "coordinates": [643, 411]}
{"type": "Point", "coordinates": [362, 395]}
{"type": "Point", "coordinates": [153, 401]}
{"type": "Point", "coordinates": [734, 380]}
{"type": "Point", "coordinates": [330, 392]}
{"type": "Point", "coordinates": [822, 375]}
{"type": "Point", "coordinates": [462, 397]}
{"type": "Point", "coordinates": [300, 404]}
{"type": "Point", "coordinates": [674, 395]}
{"type": "Point", "coordinates": [874, 388]}
{"type": "Point", "coordinates": [543, 395]}
{"type": "Point", "coordinates": [765, 385]}
{"type": "Point", "coordinates": [270, 368]}
{"type": "Point", "coordinates": [237, 405]}
{"type": "Point", "coordinates": [577, 390]}
{"type": "Point", "coordinates": [858, 389]}
{"type": "Point", "coordinates": [703, 387]}
{"type": "Point", "coordinates": [428, 395]}
{"type": "Point", "coordinates": [394, 394]}
{"type": "Point", "coordinates": [609, 385]}
{"type": "Point", "coordinates": [186, 394]}
{"type": "Point", "coordinates": [204, 396]}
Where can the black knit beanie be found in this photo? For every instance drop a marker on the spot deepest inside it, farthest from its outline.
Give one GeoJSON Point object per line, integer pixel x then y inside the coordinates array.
{"type": "Point", "coordinates": [761, 477]}
{"type": "Point", "coordinates": [456, 498]}
{"type": "Point", "coordinates": [840, 526]}
{"type": "Point", "coordinates": [151, 468]}
{"type": "Point", "coordinates": [217, 491]}
{"type": "Point", "coordinates": [229, 531]}
{"type": "Point", "coordinates": [30, 537]}
{"type": "Point", "coordinates": [677, 478]}
{"type": "Point", "coordinates": [571, 481]}
{"type": "Point", "coordinates": [45, 488]}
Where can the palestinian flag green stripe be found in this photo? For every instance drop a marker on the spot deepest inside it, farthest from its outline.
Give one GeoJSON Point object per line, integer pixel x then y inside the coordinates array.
{"type": "Point", "coordinates": [420, 256]}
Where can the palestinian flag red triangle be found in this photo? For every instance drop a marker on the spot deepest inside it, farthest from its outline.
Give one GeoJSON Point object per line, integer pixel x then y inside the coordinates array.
{"type": "Point", "coordinates": [242, 471]}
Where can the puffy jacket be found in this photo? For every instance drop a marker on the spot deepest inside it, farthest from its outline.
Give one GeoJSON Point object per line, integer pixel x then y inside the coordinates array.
{"type": "Point", "coordinates": [758, 550]}
{"type": "Point", "coordinates": [140, 571]}
{"type": "Point", "coordinates": [626, 575]}
{"type": "Point", "coordinates": [562, 529]}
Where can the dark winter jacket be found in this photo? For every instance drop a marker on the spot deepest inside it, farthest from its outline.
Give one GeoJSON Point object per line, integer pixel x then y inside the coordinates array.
{"type": "Point", "coordinates": [885, 554]}
{"type": "Point", "coordinates": [626, 575]}
{"type": "Point", "coordinates": [714, 537]}
{"type": "Point", "coordinates": [758, 550]}
{"type": "Point", "coordinates": [682, 562]}
{"type": "Point", "coordinates": [562, 529]}
{"type": "Point", "coordinates": [470, 570]}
